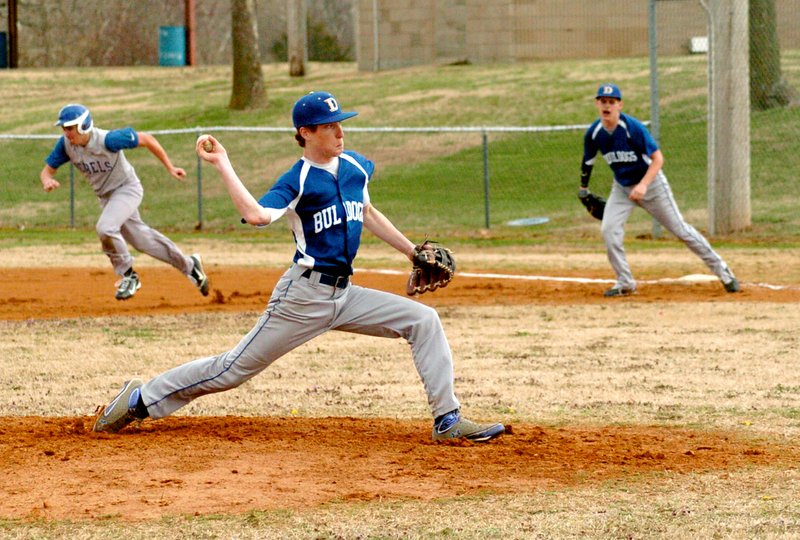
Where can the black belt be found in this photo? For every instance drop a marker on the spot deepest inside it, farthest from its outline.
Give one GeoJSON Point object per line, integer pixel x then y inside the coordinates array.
{"type": "Point", "coordinates": [339, 282]}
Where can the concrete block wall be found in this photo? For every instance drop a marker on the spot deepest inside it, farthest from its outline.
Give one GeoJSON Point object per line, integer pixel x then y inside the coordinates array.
{"type": "Point", "coordinates": [451, 32]}
{"type": "Point", "coordinates": [414, 32]}
{"type": "Point", "coordinates": [490, 36]}
{"type": "Point", "coordinates": [406, 33]}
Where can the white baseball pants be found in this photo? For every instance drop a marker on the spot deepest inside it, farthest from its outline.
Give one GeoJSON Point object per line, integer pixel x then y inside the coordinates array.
{"type": "Point", "coordinates": [120, 222]}
{"type": "Point", "coordinates": [299, 310]}
{"type": "Point", "coordinates": [659, 203]}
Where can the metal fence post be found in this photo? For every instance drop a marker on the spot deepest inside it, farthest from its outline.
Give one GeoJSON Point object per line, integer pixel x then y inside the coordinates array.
{"type": "Point", "coordinates": [71, 196]}
{"type": "Point", "coordinates": [199, 189]}
{"type": "Point", "coordinates": [486, 175]}
{"type": "Point", "coordinates": [655, 122]}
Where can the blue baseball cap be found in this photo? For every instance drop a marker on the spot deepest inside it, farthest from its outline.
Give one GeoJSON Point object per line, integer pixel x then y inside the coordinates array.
{"type": "Point", "coordinates": [609, 90]}
{"type": "Point", "coordinates": [318, 108]}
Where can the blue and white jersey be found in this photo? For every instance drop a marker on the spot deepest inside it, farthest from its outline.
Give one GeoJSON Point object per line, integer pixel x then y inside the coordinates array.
{"type": "Point", "coordinates": [627, 150]}
{"type": "Point", "coordinates": [325, 210]}
{"type": "Point", "coordinates": [102, 160]}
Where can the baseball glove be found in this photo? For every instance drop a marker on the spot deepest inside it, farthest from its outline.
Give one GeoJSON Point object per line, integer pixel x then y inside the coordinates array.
{"type": "Point", "coordinates": [434, 267]}
{"type": "Point", "coordinates": [594, 204]}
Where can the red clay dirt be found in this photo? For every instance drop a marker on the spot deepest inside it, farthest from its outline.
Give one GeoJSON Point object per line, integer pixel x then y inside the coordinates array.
{"type": "Point", "coordinates": [47, 293]}
{"type": "Point", "coordinates": [56, 468]}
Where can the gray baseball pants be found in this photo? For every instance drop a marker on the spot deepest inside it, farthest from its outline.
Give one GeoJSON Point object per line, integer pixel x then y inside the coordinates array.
{"type": "Point", "coordinates": [299, 310]}
{"type": "Point", "coordinates": [120, 222]}
{"type": "Point", "coordinates": [659, 203]}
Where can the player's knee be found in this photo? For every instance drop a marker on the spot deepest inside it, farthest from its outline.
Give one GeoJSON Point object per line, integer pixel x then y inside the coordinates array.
{"type": "Point", "coordinates": [429, 317]}
{"type": "Point", "coordinates": [103, 230]}
{"type": "Point", "coordinates": [610, 234]}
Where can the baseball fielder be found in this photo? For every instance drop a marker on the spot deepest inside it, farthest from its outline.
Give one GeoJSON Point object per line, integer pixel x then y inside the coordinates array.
{"type": "Point", "coordinates": [99, 155]}
{"type": "Point", "coordinates": [636, 161]}
{"type": "Point", "coordinates": [326, 200]}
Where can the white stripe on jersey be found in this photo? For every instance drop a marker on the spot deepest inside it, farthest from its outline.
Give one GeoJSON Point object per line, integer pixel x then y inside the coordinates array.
{"type": "Point", "coordinates": [597, 130]}
{"type": "Point", "coordinates": [360, 168]}
{"type": "Point", "coordinates": [625, 127]}
{"type": "Point", "coordinates": [600, 126]}
{"type": "Point", "coordinates": [307, 261]}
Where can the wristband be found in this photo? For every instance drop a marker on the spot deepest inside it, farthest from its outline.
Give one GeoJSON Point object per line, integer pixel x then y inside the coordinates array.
{"type": "Point", "coordinates": [586, 173]}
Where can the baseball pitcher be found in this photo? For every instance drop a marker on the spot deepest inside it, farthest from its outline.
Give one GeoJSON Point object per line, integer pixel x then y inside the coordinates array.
{"type": "Point", "coordinates": [325, 197]}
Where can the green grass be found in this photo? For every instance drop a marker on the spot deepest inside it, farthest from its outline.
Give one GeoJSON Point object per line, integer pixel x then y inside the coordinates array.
{"type": "Point", "coordinates": [426, 183]}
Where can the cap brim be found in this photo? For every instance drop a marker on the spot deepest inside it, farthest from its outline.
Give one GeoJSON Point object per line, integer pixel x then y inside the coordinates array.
{"type": "Point", "coordinates": [340, 117]}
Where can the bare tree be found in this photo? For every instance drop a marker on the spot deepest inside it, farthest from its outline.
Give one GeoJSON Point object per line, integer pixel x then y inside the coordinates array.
{"type": "Point", "coordinates": [249, 91]}
{"type": "Point", "coordinates": [768, 87]}
{"type": "Point", "coordinates": [296, 41]}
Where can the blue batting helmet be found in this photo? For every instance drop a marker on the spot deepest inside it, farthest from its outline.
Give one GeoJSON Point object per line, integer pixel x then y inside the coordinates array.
{"type": "Point", "coordinates": [75, 115]}
{"type": "Point", "coordinates": [318, 108]}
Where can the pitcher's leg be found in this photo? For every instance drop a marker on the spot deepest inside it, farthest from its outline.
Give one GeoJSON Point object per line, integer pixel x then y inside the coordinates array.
{"type": "Point", "coordinates": [618, 210]}
{"type": "Point", "coordinates": [291, 319]}
{"type": "Point", "coordinates": [378, 313]}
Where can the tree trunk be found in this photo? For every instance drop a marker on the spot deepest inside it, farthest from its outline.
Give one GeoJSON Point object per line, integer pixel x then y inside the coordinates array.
{"type": "Point", "coordinates": [296, 30]}
{"type": "Point", "coordinates": [768, 88]}
{"type": "Point", "coordinates": [248, 80]}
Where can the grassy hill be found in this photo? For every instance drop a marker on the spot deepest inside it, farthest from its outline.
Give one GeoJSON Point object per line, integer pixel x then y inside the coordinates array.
{"type": "Point", "coordinates": [427, 182]}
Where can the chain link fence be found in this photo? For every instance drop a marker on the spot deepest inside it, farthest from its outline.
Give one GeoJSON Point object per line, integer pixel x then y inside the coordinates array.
{"type": "Point", "coordinates": [465, 178]}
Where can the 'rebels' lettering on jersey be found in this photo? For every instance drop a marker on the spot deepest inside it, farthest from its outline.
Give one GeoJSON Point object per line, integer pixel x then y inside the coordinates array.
{"type": "Point", "coordinates": [95, 166]}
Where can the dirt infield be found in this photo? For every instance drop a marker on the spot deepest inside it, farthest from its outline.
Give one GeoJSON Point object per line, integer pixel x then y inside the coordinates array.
{"type": "Point", "coordinates": [36, 293]}
{"type": "Point", "coordinates": [232, 465]}
{"type": "Point", "coordinates": [57, 468]}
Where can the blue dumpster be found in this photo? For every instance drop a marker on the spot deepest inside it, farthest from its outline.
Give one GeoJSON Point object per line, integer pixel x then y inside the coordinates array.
{"type": "Point", "coordinates": [3, 50]}
{"type": "Point", "coordinates": [172, 45]}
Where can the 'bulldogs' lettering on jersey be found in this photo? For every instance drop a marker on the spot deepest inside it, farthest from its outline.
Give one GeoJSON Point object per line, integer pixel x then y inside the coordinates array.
{"type": "Point", "coordinates": [325, 219]}
{"type": "Point", "coordinates": [620, 157]}
{"type": "Point", "coordinates": [354, 210]}
{"type": "Point", "coordinates": [627, 149]}
{"type": "Point", "coordinates": [325, 211]}
{"type": "Point", "coordinates": [328, 217]}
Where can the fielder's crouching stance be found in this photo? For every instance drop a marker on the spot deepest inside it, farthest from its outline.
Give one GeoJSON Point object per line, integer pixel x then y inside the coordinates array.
{"type": "Point", "coordinates": [636, 161]}
{"type": "Point", "coordinates": [326, 200]}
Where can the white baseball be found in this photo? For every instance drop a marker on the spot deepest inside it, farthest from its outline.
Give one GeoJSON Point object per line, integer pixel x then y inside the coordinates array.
{"type": "Point", "coordinates": [208, 146]}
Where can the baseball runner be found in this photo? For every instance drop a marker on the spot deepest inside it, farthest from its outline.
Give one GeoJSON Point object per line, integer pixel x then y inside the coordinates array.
{"type": "Point", "coordinates": [326, 200]}
{"type": "Point", "coordinates": [636, 161]}
{"type": "Point", "coordinates": [99, 155]}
